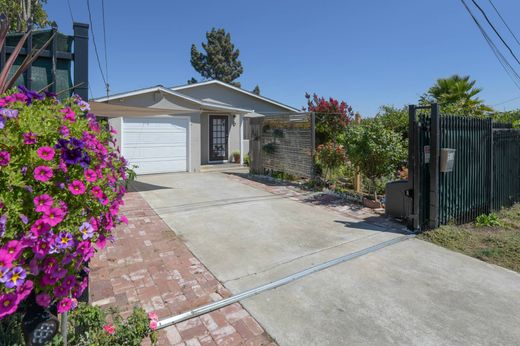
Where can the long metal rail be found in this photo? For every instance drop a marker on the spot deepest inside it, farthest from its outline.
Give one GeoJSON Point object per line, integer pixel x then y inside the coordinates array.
{"type": "Point", "coordinates": [280, 282]}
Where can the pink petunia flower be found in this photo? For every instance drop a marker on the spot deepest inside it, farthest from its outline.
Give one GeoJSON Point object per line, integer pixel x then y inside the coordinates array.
{"type": "Point", "coordinates": [6, 259]}
{"type": "Point", "coordinates": [64, 131]}
{"type": "Point", "coordinates": [46, 153]}
{"type": "Point", "coordinates": [5, 157]}
{"type": "Point", "coordinates": [110, 329]}
{"type": "Point", "coordinates": [64, 305]}
{"type": "Point", "coordinates": [40, 227]}
{"type": "Point", "coordinates": [68, 114]}
{"type": "Point", "coordinates": [60, 291]}
{"type": "Point", "coordinates": [97, 192]}
{"type": "Point", "coordinates": [69, 281]}
{"type": "Point", "coordinates": [90, 175]}
{"type": "Point", "coordinates": [43, 300]}
{"type": "Point", "coordinates": [43, 173]}
{"type": "Point", "coordinates": [153, 316]}
{"type": "Point", "coordinates": [153, 325]}
{"type": "Point", "coordinates": [43, 202]}
{"type": "Point", "coordinates": [77, 187]}
{"type": "Point", "coordinates": [8, 304]}
{"type": "Point", "coordinates": [53, 216]}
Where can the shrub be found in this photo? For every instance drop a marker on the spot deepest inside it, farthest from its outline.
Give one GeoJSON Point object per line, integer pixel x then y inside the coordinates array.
{"type": "Point", "coordinates": [61, 186]}
{"type": "Point", "coordinates": [488, 220]}
{"type": "Point", "coordinates": [330, 157]}
{"type": "Point", "coordinates": [377, 151]}
{"type": "Point", "coordinates": [247, 160]}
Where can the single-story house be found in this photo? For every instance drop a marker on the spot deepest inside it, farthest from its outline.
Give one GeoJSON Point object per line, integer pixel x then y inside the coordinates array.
{"type": "Point", "coordinates": [187, 126]}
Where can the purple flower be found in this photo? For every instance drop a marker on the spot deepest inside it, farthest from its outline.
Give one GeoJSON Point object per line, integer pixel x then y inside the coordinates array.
{"type": "Point", "coordinates": [64, 240]}
{"type": "Point", "coordinates": [3, 222]}
{"type": "Point", "coordinates": [64, 130]}
{"type": "Point", "coordinates": [24, 219]}
{"type": "Point", "coordinates": [15, 277]}
{"type": "Point", "coordinates": [30, 94]}
{"type": "Point", "coordinates": [87, 231]}
{"type": "Point", "coordinates": [60, 291]}
{"type": "Point", "coordinates": [23, 170]}
{"type": "Point", "coordinates": [64, 305]}
{"type": "Point", "coordinates": [3, 274]}
{"type": "Point", "coordinates": [9, 113]}
{"type": "Point", "coordinates": [2, 122]}
{"type": "Point", "coordinates": [29, 138]}
{"type": "Point", "coordinates": [84, 106]}
{"type": "Point", "coordinates": [43, 300]}
{"type": "Point", "coordinates": [43, 202]}
{"type": "Point", "coordinates": [5, 157]}
{"type": "Point", "coordinates": [69, 282]}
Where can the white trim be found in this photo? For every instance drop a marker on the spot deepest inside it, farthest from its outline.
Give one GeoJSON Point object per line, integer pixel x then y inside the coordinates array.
{"type": "Point", "coordinates": [200, 103]}
{"type": "Point", "coordinates": [241, 139]}
{"type": "Point", "coordinates": [194, 85]}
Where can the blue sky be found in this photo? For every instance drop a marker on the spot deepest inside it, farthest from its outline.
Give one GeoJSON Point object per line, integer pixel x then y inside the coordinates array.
{"type": "Point", "coordinates": [368, 53]}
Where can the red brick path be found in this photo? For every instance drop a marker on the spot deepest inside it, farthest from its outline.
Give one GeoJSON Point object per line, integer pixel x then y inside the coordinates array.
{"type": "Point", "coordinates": [150, 266]}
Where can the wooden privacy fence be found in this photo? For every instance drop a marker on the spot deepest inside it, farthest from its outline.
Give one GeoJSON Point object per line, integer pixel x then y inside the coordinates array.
{"type": "Point", "coordinates": [282, 143]}
{"type": "Point", "coordinates": [485, 175]}
{"type": "Point", "coordinates": [53, 70]}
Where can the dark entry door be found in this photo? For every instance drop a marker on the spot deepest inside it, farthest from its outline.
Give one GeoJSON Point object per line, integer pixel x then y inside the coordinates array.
{"type": "Point", "coordinates": [218, 137]}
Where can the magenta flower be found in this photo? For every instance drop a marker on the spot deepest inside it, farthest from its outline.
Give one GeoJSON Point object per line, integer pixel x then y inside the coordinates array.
{"type": "Point", "coordinates": [29, 138]}
{"type": "Point", "coordinates": [40, 227]}
{"type": "Point", "coordinates": [64, 305]}
{"type": "Point", "coordinates": [43, 173]}
{"type": "Point", "coordinates": [43, 300]}
{"type": "Point", "coordinates": [90, 175]}
{"type": "Point", "coordinates": [60, 291]}
{"type": "Point", "coordinates": [14, 247]}
{"type": "Point", "coordinates": [8, 304]}
{"type": "Point", "coordinates": [97, 192]}
{"type": "Point", "coordinates": [77, 187]}
{"type": "Point", "coordinates": [64, 131]}
{"type": "Point", "coordinates": [15, 277]}
{"type": "Point", "coordinates": [53, 216]}
{"type": "Point", "coordinates": [64, 240]}
{"type": "Point", "coordinates": [68, 114]}
{"type": "Point", "coordinates": [69, 282]}
{"type": "Point", "coordinates": [6, 259]}
{"type": "Point", "coordinates": [43, 203]}
{"type": "Point", "coordinates": [5, 157]}
{"type": "Point", "coordinates": [46, 153]}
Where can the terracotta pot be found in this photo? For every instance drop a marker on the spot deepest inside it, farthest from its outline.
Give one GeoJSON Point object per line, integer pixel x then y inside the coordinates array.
{"type": "Point", "coordinates": [372, 204]}
{"type": "Point", "coordinates": [236, 158]}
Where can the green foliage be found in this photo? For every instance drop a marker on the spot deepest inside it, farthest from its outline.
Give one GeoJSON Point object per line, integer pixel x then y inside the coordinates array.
{"type": "Point", "coordinates": [14, 9]}
{"type": "Point", "coordinates": [330, 157]}
{"type": "Point", "coordinates": [488, 220]}
{"type": "Point", "coordinates": [395, 119]}
{"type": "Point", "coordinates": [376, 150]}
{"type": "Point", "coordinates": [457, 95]}
{"type": "Point", "coordinates": [282, 176]}
{"type": "Point", "coordinates": [512, 117]}
{"type": "Point", "coordinates": [221, 59]}
{"type": "Point", "coordinates": [87, 323]}
{"type": "Point", "coordinates": [247, 160]}
{"type": "Point", "coordinates": [11, 330]}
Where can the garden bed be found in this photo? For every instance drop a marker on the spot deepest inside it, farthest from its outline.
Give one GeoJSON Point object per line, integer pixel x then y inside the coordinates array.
{"type": "Point", "coordinates": [498, 245]}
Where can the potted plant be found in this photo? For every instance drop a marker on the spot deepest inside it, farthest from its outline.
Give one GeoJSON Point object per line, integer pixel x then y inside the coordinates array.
{"type": "Point", "coordinates": [236, 156]}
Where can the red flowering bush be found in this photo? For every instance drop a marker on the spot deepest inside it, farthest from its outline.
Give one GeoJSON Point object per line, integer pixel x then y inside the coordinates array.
{"type": "Point", "coordinates": [61, 186]}
{"type": "Point", "coordinates": [332, 117]}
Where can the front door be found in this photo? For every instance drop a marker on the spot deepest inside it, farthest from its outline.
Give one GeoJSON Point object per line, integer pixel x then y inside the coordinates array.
{"type": "Point", "coordinates": [218, 137]}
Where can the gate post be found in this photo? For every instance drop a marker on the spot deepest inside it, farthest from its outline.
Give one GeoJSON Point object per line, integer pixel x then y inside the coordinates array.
{"type": "Point", "coordinates": [435, 150]}
{"type": "Point", "coordinates": [413, 167]}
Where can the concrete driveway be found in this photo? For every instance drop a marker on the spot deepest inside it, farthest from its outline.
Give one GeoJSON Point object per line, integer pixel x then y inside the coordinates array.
{"type": "Point", "coordinates": [411, 293]}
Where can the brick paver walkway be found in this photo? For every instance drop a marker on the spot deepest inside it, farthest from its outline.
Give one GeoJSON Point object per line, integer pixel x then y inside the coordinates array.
{"type": "Point", "coordinates": [150, 266]}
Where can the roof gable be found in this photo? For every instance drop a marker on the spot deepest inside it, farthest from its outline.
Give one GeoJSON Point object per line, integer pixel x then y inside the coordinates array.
{"type": "Point", "coordinates": [202, 90]}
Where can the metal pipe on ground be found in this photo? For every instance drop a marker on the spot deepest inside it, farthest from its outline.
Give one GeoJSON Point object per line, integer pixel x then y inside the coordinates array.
{"type": "Point", "coordinates": [169, 321]}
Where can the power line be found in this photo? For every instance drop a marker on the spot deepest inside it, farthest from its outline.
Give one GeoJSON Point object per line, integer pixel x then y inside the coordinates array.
{"type": "Point", "coordinates": [503, 21]}
{"type": "Point", "coordinates": [503, 61]}
{"type": "Point", "coordinates": [495, 30]}
{"type": "Point", "coordinates": [507, 101]}
{"type": "Point", "coordinates": [105, 44]}
{"type": "Point", "coordinates": [95, 45]}
{"type": "Point", "coordinates": [70, 11]}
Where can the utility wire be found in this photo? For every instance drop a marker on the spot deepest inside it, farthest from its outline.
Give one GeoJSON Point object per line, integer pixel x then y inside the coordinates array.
{"type": "Point", "coordinates": [495, 30]}
{"type": "Point", "coordinates": [507, 101]}
{"type": "Point", "coordinates": [70, 11]}
{"type": "Point", "coordinates": [105, 44]}
{"type": "Point", "coordinates": [503, 61]}
{"type": "Point", "coordinates": [95, 45]}
{"type": "Point", "coordinates": [504, 21]}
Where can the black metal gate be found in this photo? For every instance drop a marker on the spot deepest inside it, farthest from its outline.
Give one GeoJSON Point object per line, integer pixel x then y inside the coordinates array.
{"type": "Point", "coordinates": [486, 170]}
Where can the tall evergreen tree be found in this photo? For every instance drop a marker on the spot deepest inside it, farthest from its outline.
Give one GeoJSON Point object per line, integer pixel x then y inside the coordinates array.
{"type": "Point", "coordinates": [256, 90]}
{"type": "Point", "coordinates": [220, 60]}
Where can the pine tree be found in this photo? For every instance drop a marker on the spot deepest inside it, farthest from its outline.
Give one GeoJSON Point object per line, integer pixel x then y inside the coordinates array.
{"type": "Point", "coordinates": [221, 59]}
{"type": "Point", "coordinates": [256, 90]}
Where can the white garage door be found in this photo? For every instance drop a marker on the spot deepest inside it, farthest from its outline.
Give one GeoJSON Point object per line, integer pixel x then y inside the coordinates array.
{"type": "Point", "coordinates": [156, 145]}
